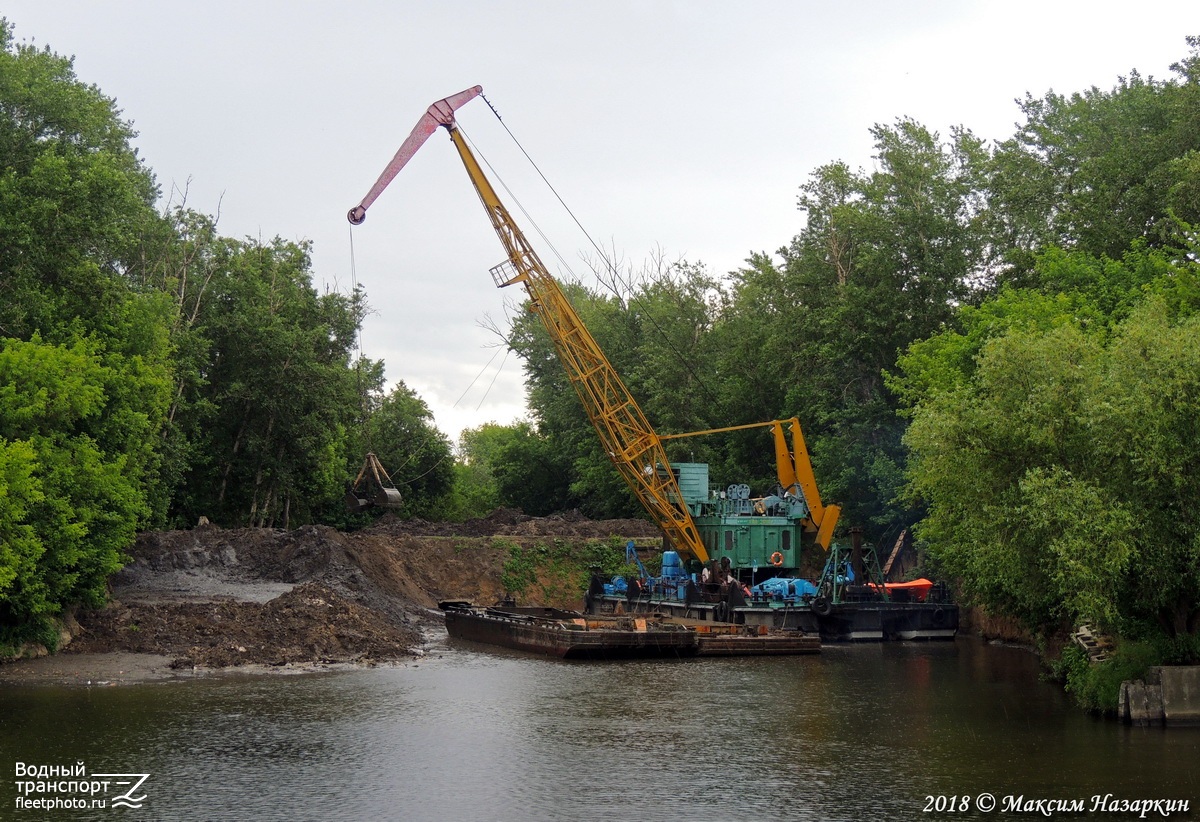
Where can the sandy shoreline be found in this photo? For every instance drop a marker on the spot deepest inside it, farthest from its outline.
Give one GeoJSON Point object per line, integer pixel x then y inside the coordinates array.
{"type": "Point", "coordinates": [117, 668]}
{"type": "Point", "coordinates": [90, 669]}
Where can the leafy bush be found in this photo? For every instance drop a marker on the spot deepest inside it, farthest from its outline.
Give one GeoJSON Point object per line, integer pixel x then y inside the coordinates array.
{"type": "Point", "coordinates": [564, 568]}
{"type": "Point", "coordinates": [1098, 687]}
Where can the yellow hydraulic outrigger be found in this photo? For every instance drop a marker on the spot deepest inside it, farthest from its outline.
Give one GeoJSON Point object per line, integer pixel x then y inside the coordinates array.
{"type": "Point", "coordinates": [627, 437]}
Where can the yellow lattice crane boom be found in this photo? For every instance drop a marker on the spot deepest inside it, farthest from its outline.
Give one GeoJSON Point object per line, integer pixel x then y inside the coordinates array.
{"type": "Point", "coordinates": [625, 434]}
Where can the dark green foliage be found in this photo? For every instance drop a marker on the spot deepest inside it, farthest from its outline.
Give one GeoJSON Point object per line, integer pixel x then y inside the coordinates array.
{"type": "Point", "coordinates": [84, 352]}
{"type": "Point", "coordinates": [511, 466]}
{"type": "Point", "coordinates": [532, 473]}
{"type": "Point", "coordinates": [475, 491]}
{"type": "Point", "coordinates": [999, 340]}
{"type": "Point", "coordinates": [150, 370]}
{"type": "Point", "coordinates": [561, 570]}
{"type": "Point", "coordinates": [882, 260]}
{"type": "Point", "coordinates": [276, 391]}
{"type": "Point", "coordinates": [1098, 170]}
{"type": "Point", "coordinates": [1029, 309]}
{"type": "Point", "coordinates": [401, 432]}
{"type": "Point", "coordinates": [520, 569]}
{"type": "Point", "coordinates": [559, 464]}
{"type": "Point", "coordinates": [69, 506]}
{"type": "Point", "coordinates": [1055, 461]}
{"type": "Point", "coordinates": [1098, 687]}
{"type": "Point", "coordinates": [74, 198]}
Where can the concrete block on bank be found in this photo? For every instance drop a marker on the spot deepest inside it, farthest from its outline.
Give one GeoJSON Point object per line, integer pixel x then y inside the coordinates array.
{"type": "Point", "coordinates": [1169, 695]}
{"type": "Point", "coordinates": [1181, 694]}
{"type": "Point", "coordinates": [1141, 703]}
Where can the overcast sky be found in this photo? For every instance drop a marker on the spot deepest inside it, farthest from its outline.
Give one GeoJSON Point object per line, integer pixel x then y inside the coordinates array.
{"type": "Point", "coordinates": [671, 129]}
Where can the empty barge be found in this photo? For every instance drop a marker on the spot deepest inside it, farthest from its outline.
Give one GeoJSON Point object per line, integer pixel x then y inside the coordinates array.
{"type": "Point", "coordinates": [572, 635]}
{"type": "Point", "coordinates": [567, 634]}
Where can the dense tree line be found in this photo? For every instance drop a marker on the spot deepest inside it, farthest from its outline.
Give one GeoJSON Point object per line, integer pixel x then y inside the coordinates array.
{"type": "Point", "coordinates": [1054, 424]}
{"type": "Point", "coordinates": [153, 371]}
{"type": "Point", "coordinates": [992, 344]}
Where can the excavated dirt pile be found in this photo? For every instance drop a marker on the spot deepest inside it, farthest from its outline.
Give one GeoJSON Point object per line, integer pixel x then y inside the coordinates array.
{"type": "Point", "coordinates": [309, 623]}
{"type": "Point", "coordinates": [212, 597]}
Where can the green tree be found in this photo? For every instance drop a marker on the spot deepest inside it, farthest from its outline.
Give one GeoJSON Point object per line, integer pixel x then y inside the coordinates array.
{"type": "Point", "coordinates": [84, 349]}
{"type": "Point", "coordinates": [989, 453]}
{"type": "Point", "coordinates": [532, 475]}
{"type": "Point", "coordinates": [1063, 288]}
{"type": "Point", "coordinates": [277, 391]}
{"type": "Point", "coordinates": [69, 508]}
{"type": "Point", "coordinates": [1097, 170]}
{"type": "Point", "coordinates": [883, 260]}
{"type": "Point", "coordinates": [1056, 473]}
{"type": "Point", "coordinates": [74, 197]}
{"type": "Point", "coordinates": [401, 432]}
{"type": "Point", "coordinates": [478, 454]}
{"type": "Point", "coordinates": [560, 442]}
{"type": "Point", "coordinates": [655, 328]}
{"type": "Point", "coordinates": [1147, 419]}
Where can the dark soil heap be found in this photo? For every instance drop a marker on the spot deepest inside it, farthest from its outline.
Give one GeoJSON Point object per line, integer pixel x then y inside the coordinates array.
{"type": "Point", "coordinates": [309, 623]}
{"type": "Point", "coordinates": [212, 597]}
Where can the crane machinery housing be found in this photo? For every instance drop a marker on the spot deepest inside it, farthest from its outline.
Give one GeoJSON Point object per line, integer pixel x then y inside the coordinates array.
{"type": "Point", "coordinates": [757, 540]}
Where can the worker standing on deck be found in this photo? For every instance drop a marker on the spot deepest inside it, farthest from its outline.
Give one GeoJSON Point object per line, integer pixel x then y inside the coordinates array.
{"type": "Point", "coordinates": [726, 577]}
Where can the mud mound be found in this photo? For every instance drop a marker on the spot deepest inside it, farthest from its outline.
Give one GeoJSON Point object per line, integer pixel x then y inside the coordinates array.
{"type": "Point", "coordinates": [310, 623]}
{"type": "Point", "coordinates": [511, 522]}
{"type": "Point", "coordinates": [576, 526]}
{"type": "Point", "coordinates": [487, 526]}
{"type": "Point", "coordinates": [240, 564]}
{"type": "Point", "coordinates": [216, 597]}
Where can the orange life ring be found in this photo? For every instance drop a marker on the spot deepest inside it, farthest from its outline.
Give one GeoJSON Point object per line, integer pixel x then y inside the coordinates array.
{"type": "Point", "coordinates": [777, 559]}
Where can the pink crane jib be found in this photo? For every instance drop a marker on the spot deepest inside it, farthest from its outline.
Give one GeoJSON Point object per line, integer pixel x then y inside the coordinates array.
{"type": "Point", "coordinates": [440, 113]}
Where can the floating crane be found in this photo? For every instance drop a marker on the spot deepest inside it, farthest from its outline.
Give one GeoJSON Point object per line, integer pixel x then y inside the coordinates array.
{"type": "Point", "coordinates": [755, 533]}
{"type": "Point", "coordinates": [627, 437]}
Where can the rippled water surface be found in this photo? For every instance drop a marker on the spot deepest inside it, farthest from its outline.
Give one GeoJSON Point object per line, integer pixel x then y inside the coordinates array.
{"type": "Point", "coordinates": [859, 732]}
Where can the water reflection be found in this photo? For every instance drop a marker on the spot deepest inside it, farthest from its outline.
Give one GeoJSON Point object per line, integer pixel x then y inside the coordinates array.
{"type": "Point", "coordinates": [857, 732]}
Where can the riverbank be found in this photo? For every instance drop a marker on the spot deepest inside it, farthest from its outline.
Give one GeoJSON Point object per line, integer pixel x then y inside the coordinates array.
{"type": "Point", "coordinates": [211, 599]}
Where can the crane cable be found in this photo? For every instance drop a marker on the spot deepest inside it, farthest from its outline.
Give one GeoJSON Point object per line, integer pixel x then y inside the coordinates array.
{"type": "Point", "coordinates": [512, 197]}
{"type": "Point", "coordinates": [507, 351]}
{"type": "Point", "coordinates": [363, 397]}
{"type": "Point", "coordinates": [358, 363]}
{"type": "Point", "coordinates": [612, 268]}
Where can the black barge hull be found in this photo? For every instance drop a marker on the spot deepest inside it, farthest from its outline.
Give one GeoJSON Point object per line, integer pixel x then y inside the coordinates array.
{"type": "Point", "coordinates": [844, 622]}
{"type": "Point", "coordinates": [568, 635]}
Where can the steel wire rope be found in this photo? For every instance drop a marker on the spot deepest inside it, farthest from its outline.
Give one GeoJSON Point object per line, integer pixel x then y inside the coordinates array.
{"type": "Point", "coordinates": [363, 421]}
{"type": "Point", "coordinates": [358, 363]}
{"type": "Point", "coordinates": [520, 206]}
{"type": "Point", "coordinates": [362, 395]}
{"type": "Point", "coordinates": [607, 262]}
{"type": "Point", "coordinates": [442, 459]}
{"type": "Point", "coordinates": [496, 376]}
{"type": "Point", "coordinates": [471, 384]}
{"type": "Point", "coordinates": [507, 351]}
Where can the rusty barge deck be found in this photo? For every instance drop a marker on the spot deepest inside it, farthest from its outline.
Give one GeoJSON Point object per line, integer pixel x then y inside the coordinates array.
{"type": "Point", "coordinates": [572, 635]}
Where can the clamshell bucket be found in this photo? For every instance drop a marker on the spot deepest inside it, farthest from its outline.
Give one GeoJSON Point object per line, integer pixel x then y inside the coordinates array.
{"type": "Point", "coordinates": [372, 488]}
{"type": "Point", "coordinates": [388, 498]}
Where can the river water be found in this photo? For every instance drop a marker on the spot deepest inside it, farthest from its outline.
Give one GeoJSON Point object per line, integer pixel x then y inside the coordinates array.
{"type": "Point", "coordinates": [875, 731]}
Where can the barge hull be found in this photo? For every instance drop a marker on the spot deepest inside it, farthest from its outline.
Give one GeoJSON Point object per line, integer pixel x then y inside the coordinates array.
{"type": "Point", "coordinates": [845, 622]}
{"type": "Point", "coordinates": [563, 637]}
{"type": "Point", "coordinates": [769, 645]}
